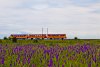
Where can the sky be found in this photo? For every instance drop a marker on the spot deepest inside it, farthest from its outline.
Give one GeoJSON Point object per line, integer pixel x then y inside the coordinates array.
{"type": "Point", "coordinates": [75, 18]}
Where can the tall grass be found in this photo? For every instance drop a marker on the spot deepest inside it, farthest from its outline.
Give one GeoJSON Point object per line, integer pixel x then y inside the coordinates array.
{"type": "Point", "coordinates": [51, 42]}
{"type": "Point", "coordinates": [55, 55]}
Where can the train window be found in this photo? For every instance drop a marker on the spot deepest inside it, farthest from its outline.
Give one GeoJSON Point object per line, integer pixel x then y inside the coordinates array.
{"type": "Point", "coordinates": [57, 35]}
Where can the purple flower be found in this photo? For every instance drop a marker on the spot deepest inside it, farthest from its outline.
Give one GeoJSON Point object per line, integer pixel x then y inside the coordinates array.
{"type": "Point", "coordinates": [57, 57]}
{"type": "Point", "coordinates": [29, 60]}
{"type": "Point", "coordinates": [89, 64]}
{"type": "Point", "coordinates": [10, 65]}
{"type": "Point", "coordinates": [45, 51]}
{"type": "Point", "coordinates": [2, 61]}
{"type": "Point", "coordinates": [64, 61]}
{"type": "Point", "coordinates": [18, 58]}
{"type": "Point", "coordinates": [33, 65]}
{"type": "Point", "coordinates": [24, 61]}
{"type": "Point", "coordinates": [94, 59]}
{"type": "Point", "coordinates": [63, 65]}
{"type": "Point", "coordinates": [50, 62]}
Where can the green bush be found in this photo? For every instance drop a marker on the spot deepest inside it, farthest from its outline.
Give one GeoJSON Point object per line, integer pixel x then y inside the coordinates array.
{"type": "Point", "coordinates": [75, 38]}
{"type": "Point", "coordinates": [14, 40]}
{"type": "Point", "coordinates": [0, 41]}
{"type": "Point", "coordinates": [36, 41]}
{"type": "Point", "coordinates": [5, 38]}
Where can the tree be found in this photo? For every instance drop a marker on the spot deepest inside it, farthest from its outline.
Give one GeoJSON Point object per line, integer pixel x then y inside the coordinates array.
{"type": "Point", "coordinates": [5, 38]}
{"type": "Point", "coordinates": [14, 39]}
{"type": "Point", "coordinates": [75, 38]}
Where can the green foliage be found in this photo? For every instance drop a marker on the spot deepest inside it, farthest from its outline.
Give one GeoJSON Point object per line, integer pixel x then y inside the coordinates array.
{"type": "Point", "coordinates": [35, 41]}
{"type": "Point", "coordinates": [5, 38]}
{"type": "Point", "coordinates": [0, 41]}
{"type": "Point", "coordinates": [50, 42]}
{"type": "Point", "coordinates": [9, 38]}
{"type": "Point", "coordinates": [14, 40]}
{"type": "Point", "coordinates": [75, 38]}
{"type": "Point", "coordinates": [38, 57]}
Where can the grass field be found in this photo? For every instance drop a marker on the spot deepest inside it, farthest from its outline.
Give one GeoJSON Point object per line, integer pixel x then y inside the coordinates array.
{"type": "Point", "coordinates": [50, 53]}
{"type": "Point", "coordinates": [49, 42]}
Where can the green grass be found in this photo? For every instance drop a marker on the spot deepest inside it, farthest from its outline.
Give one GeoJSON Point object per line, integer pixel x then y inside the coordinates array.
{"type": "Point", "coordinates": [51, 42]}
{"type": "Point", "coordinates": [10, 57]}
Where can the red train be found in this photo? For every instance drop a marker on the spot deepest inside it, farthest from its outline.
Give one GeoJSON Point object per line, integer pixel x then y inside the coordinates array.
{"type": "Point", "coordinates": [39, 36]}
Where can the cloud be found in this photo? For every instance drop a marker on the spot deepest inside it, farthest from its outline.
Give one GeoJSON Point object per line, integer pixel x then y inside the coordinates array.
{"type": "Point", "coordinates": [84, 2]}
{"type": "Point", "coordinates": [60, 16]}
{"type": "Point", "coordinates": [10, 3]}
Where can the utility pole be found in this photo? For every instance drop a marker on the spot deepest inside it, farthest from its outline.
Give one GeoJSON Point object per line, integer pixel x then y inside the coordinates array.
{"type": "Point", "coordinates": [47, 33]}
{"type": "Point", "coordinates": [42, 33]}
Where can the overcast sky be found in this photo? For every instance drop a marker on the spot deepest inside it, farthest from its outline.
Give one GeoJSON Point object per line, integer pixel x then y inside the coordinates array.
{"type": "Point", "coordinates": [79, 18]}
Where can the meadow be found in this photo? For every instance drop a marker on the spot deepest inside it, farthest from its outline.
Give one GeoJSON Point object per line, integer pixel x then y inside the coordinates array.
{"type": "Point", "coordinates": [50, 53]}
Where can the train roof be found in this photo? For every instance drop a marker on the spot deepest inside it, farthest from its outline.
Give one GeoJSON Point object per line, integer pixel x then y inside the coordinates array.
{"type": "Point", "coordinates": [19, 34]}
{"type": "Point", "coordinates": [56, 34]}
{"type": "Point", "coordinates": [37, 34]}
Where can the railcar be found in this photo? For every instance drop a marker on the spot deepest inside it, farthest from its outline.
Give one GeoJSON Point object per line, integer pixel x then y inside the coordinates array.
{"type": "Point", "coordinates": [56, 36]}
{"type": "Point", "coordinates": [37, 36]}
{"type": "Point", "coordinates": [19, 36]}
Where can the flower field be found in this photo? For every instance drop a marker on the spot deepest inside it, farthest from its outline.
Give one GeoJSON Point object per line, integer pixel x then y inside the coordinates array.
{"type": "Point", "coordinates": [42, 55]}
